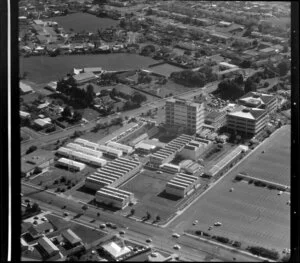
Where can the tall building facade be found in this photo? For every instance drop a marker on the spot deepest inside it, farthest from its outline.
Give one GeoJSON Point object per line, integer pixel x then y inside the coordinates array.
{"type": "Point", "coordinates": [185, 114]}
{"type": "Point", "coordinates": [248, 121]}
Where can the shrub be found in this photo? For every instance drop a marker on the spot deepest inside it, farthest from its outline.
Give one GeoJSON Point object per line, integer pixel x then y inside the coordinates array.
{"type": "Point", "coordinates": [198, 232]}
{"type": "Point", "coordinates": [236, 244]}
{"type": "Point", "coordinates": [250, 181]}
{"type": "Point", "coordinates": [263, 252]}
{"type": "Point", "coordinates": [206, 234]}
{"type": "Point", "coordinates": [238, 178]}
{"type": "Point", "coordinates": [271, 187]}
{"type": "Point", "coordinates": [224, 240]}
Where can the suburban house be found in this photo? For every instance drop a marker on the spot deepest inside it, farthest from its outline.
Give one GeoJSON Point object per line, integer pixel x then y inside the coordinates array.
{"type": "Point", "coordinates": [25, 89]}
{"type": "Point", "coordinates": [39, 159]}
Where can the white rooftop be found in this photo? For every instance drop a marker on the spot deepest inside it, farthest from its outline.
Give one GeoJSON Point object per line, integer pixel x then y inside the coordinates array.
{"type": "Point", "coordinates": [115, 250]}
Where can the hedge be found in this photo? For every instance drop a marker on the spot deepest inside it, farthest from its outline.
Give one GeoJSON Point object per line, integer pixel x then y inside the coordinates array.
{"type": "Point", "coordinates": [263, 252]}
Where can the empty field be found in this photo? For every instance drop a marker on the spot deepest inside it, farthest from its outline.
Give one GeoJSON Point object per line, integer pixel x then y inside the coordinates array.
{"type": "Point", "coordinates": [165, 69]}
{"type": "Point", "coordinates": [274, 163]}
{"type": "Point", "coordinates": [148, 187]}
{"type": "Point", "coordinates": [250, 214]}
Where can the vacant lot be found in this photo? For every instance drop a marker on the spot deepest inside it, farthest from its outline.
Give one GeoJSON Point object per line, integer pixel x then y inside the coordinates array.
{"type": "Point", "coordinates": [88, 22]}
{"type": "Point", "coordinates": [43, 69]}
{"type": "Point", "coordinates": [274, 163]}
{"type": "Point", "coordinates": [250, 214]}
{"type": "Point", "coordinates": [154, 200]}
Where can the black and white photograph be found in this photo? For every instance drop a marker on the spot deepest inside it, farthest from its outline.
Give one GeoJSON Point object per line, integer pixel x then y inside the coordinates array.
{"type": "Point", "coordinates": [155, 131]}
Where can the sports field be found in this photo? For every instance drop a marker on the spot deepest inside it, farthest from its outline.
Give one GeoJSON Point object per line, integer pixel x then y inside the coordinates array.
{"type": "Point", "coordinates": [249, 214]}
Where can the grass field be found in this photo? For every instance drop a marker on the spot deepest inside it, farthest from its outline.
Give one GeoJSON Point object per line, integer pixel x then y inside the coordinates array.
{"type": "Point", "coordinates": [88, 22]}
{"type": "Point", "coordinates": [165, 69]}
{"type": "Point", "coordinates": [274, 163]}
{"type": "Point", "coordinates": [43, 69]}
{"type": "Point", "coordinates": [250, 214]}
{"type": "Point", "coordinates": [153, 200]}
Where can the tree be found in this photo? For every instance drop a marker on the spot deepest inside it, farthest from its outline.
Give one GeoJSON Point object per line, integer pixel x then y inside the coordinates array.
{"type": "Point", "coordinates": [35, 208]}
{"type": "Point", "coordinates": [98, 214]}
{"type": "Point", "coordinates": [148, 215]}
{"type": "Point", "coordinates": [283, 68]}
{"type": "Point", "coordinates": [66, 113]}
{"type": "Point", "coordinates": [84, 207]}
{"type": "Point", "coordinates": [77, 116]}
{"type": "Point", "coordinates": [157, 218]}
{"type": "Point", "coordinates": [31, 149]}
{"type": "Point", "coordinates": [132, 211]}
{"type": "Point", "coordinates": [90, 94]}
{"type": "Point", "coordinates": [187, 52]}
{"type": "Point", "coordinates": [250, 85]}
{"type": "Point", "coordinates": [138, 98]}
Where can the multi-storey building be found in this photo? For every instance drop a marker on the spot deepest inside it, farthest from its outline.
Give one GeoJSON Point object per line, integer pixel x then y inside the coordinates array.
{"type": "Point", "coordinates": [247, 121]}
{"type": "Point", "coordinates": [217, 119]}
{"type": "Point", "coordinates": [183, 113]}
{"type": "Point", "coordinates": [259, 100]}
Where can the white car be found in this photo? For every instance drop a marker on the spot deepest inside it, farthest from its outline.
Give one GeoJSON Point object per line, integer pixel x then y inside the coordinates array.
{"type": "Point", "coordinates": [159, 172]}
{"type": "Point", "coordinates": [195, 222]}
{"type": "Point", "coordinates": [280, 193]}
{"type": "Point", "coordinates": [175, 235]}
{"type": "Point", "coordinates": [217, 224]}
{"type": "Point", "coordinates": [177, 247]}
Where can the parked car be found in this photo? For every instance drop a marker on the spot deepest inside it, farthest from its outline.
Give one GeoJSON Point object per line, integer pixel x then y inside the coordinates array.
{"type": "Point", "coordinates": [149, 240]}
{"type": "Point", "coordinates": [195, 222]}
{"type": "Point", "coordinates": [102, 226]}
{"type": "Point", "coordinates": [177, 247]}
{"type": "Point", "coordinates": [175, 235]}
{"type": "Point", "coordinates": [217, 224]}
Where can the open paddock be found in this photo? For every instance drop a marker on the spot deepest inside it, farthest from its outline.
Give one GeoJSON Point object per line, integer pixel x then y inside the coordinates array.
{"type": "Point", "coordinates": [250, 214]}
{"type": "Point", "coordinates": [274, 164]}
{"type": "Point", "coordinates": [153, 200]}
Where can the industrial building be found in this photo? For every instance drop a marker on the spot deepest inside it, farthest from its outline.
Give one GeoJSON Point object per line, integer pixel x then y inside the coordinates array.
{"type": "Point", "coordinates": [194, 149]}
{"type": "Point", "coordinates": [190, 167]}
{"type": "Point", "coordinates": [170, 168]}
{"type": "Point", "coordinates": [113, 174]}
{"type": "Point", "coordinates": [109, 151]}
{"type": "Point", "coordinates": [85, 150]}
{"type": "Point", "coordinates": [70, 164]}
{"type": "Point", "coordinates": [186, 114]}
{"type": "Point", "coordinates": [259, 100]}
{"type": "Point", "coordinates": [182, 184]}
{"type": "Point", "coordinates": [79, 156]}
{"type": "Point", "coordinates": [115, 197]}
{"type": "Point", "coordinates": [168, 153]}
{"type": "Point", "coordinates": [122, 147]}
{"type": "Point", "coordinates": [144, 148]}
{"type": "Point", "coordinates": [71, 238]}
{"type": "Point", "coordinates": [226, 162]}
{"type": "Point", "coordinates": [248, 122]}
{"type": "Point", "coordinates": [48, 248]}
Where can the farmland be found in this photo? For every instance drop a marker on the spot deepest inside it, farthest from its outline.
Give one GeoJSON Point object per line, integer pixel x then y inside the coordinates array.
{"type": "Point", "coordinates": [44, 69]}
{"type": "Point", "coordinates": [88, 22]}
{"type": "Point", "coordinates": [250, 214]}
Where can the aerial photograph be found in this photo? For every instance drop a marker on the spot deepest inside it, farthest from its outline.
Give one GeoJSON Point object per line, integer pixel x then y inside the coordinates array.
{"type": "Point", "coordinates": [155, 130]}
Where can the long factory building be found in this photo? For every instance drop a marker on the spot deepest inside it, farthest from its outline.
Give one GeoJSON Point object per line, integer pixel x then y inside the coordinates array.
{"type": "Point", "coordinates": [107, 150]}
{"type": "Point", "coordinates": [119, 146]}
{"type": "Point", "coordinates": [79, 156]}
{"type": "Point", "coordinates": [113, 174]}
{"type": "Point", "coordinates": [182, 184]}
{"type": "Point", "coordinates": [114, 197]}
{"type": "Point", "coordinates": [168, 153]}
{"type": "Point", "coordinates": [70, 164]}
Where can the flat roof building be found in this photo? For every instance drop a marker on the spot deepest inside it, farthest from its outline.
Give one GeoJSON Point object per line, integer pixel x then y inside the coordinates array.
{"type": "Point", "coordinates": [122, 147]}
{"type": "Point", "coordinates": [48, 247]}
{"type": "Point", "coordinates": [85, 77]}
{"type": "Point", "coordinates": [70, 164]}
{"type": "Point", "coordinates": [247, 121]}
{"type": "Point", "coordinates": [259, 100]}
